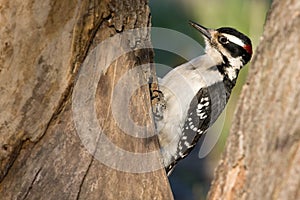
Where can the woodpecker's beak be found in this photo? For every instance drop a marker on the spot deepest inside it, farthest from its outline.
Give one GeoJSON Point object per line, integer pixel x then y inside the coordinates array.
{"type": "Point", "coordinates": [205, 31]}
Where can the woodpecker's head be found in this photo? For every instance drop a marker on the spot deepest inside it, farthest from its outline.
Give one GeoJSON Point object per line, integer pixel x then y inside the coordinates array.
{"type": "Point", "coordinates": [226, 45]}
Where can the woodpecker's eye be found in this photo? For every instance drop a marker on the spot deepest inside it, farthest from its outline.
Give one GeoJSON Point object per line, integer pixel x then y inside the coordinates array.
{"type": "Point", "coordinates": [223, 40]}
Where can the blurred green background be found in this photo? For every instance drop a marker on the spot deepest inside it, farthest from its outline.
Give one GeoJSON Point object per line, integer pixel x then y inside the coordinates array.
{"type": "Point", "coordinates": [191, 178]}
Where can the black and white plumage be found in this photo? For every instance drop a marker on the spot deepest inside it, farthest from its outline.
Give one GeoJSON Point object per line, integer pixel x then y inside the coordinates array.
{"type": "Point", "coordinates": [196, 92]}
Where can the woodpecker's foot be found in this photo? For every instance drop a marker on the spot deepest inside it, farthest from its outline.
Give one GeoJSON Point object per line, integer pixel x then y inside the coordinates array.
{"type": "Point", "coordinates": [158, 104]}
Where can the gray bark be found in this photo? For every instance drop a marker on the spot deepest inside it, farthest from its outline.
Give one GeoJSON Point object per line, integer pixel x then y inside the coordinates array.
{"type": "Point", "coordinates": [43, 47]}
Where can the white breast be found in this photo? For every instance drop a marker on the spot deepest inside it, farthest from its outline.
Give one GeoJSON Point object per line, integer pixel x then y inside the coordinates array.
{"type": "Point", "coordinates": [179, 87]}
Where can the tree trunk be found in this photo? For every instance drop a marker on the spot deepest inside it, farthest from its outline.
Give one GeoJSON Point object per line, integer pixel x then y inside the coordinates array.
{"type": "Point", "coordinates": [262, 156]}
{"type": "Point", "coordinates": [53, 60]}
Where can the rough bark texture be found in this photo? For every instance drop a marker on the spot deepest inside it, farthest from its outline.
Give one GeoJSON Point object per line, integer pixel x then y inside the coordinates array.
{"type": "Point", "coordinates": [262, 156]}
{"type": "Point", "coordinates": [43, 45]}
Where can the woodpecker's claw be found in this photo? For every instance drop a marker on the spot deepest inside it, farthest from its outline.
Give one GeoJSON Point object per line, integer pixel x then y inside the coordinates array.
{"type": "Point", "coordinates": [158, 104]}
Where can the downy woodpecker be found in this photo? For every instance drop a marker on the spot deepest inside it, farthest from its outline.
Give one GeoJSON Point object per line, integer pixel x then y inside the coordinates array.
{"type": "Point", "coordinates": [195, 93]}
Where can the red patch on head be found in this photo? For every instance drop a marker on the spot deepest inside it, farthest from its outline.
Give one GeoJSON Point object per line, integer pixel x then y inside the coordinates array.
{"type": "Point", "coordinates": [248, 48]}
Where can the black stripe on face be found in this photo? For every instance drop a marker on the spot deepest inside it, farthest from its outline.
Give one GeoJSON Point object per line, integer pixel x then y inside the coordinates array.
{"type": "Point", "coordinates": [236, 51]}
{"type": "Point", "coordinates": [232, 31]}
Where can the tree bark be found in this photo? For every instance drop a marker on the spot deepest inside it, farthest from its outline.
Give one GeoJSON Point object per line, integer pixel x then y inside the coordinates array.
{"type": "Point", "coordinates": [262, 156]}
{"type": "Point", "coordinates": [45, 47]}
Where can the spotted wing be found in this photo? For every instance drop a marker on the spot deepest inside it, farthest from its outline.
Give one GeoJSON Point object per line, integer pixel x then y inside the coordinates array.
{"type": "Point", "coordinates": [204, 109]}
